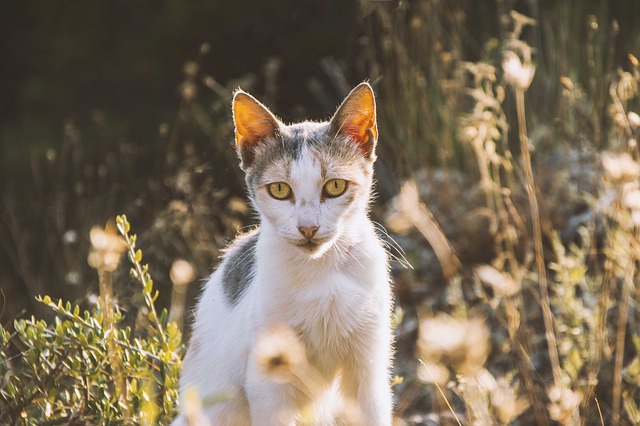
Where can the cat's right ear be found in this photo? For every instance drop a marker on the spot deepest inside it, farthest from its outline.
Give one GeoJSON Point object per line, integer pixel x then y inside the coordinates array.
{"type": "Point", "coordinates": [253, 123]}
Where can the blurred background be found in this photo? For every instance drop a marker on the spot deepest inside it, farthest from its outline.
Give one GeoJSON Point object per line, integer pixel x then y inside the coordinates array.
{"type": "Point", "coordinates": [124, 107]}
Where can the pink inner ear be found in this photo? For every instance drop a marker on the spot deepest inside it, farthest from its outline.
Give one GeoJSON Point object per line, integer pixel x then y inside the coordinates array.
{"type": "Point", "coordinates": [253, 121]}
{"type": "Point", "coordinates": [357, 115]}
{"type": "Point", "coordinates": [360, 128]}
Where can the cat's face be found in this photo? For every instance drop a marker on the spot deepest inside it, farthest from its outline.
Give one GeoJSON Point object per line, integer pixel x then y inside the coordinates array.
{"type": "Point", "coordinates": [309, 181]}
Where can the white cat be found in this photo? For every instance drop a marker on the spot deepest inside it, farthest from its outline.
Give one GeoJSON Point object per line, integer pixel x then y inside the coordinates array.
{"type": "Point", "coordinates": [294, 325]}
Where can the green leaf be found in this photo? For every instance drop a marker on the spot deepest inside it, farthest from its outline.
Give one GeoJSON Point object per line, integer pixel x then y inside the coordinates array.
{"type": "Point", "coordinates": [123, 224]}
{"type": "Point", "coordinates": [148, 286]}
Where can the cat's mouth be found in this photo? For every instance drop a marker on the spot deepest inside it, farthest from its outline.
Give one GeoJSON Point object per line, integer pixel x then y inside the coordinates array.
{"type": "Point", "coordinates": [314, 246]}
{"type": "Point", "coordinates": [309, 246]}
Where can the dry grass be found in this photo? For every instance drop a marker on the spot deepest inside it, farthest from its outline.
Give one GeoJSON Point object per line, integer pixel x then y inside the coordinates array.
{"type": "Point", "coordinates": [517, 202]}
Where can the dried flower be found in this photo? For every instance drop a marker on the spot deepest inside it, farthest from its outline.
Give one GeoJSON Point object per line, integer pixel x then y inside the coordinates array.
{"type": "Point", "coordinates": [627, 86]}
{"type": "Point", "coordinates": [632, 199]}
{"type": "Point", "coordinates": [182, 272]}
{"type": "Point", "coordinates": [70, 237]}
{"type": "Point", "coordinates": [634, 119]}
{"type": "Point", "coordinates": [238, 205]}
{"type": "Point", "coordinates": [431, 372]}
{"type": "Point", "coordinates": [280, 354]}
{"type": "Point", "coordinates": [506, 403]}
{"type": "Point", "coordinates": [205, 48]}
{"type": "Point", "coordinates": [516, 72]}
{"type": "Point", "coordinates": [190, 69]}
{"type": "Point", "coordinates": [519, 22]}
{"type": "Point", "coordinates": [620, 167]}
{"type": "Point", "coordinates": [188, 90]}
{"type": "Point", "coordinates": [620, 119]}
{"type": "Point", "coordinates": [462, 344]}
{"type": "Point", "coordinates": [564, 404]}
{"type": "Point", "coordinates": [106, 248]}
{"type": "Point", "coordinates": [501, 283]}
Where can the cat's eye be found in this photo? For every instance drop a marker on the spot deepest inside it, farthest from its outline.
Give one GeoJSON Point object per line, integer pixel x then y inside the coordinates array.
{"type": "Point", "coordinates": [279, 190]}
{"type": "Point", "coordinates": [335, 187]}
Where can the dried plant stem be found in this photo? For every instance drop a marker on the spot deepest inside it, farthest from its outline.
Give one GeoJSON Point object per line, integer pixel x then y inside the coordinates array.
{"type": "Point", "coordinates": [105, 279]}
{"type": "Point", "coordinates": [178, 302]}
{"type": "Point", "coordinates": [599, 411]}
{"type": "Point", "coordinates": [425, 223]}
{"type": "Point", "coordinates": [623, 316]}
{"type": "Point", "coordinates": [513, 308]}
{"type": "Point", "coordinates": [529, 184]}
{"type": "Point", "coordinates": [600, 334]}
{"type": "Point", "coordinates": [455, 416]}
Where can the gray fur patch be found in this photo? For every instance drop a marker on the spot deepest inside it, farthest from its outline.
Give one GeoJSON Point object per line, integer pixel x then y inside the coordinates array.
{"type": "Point", "coordinates": [286, 146]}
{"type": "Point", "coordinates": [239, 267]}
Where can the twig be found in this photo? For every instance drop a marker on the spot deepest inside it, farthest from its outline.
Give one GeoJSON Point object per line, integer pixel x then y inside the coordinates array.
{"type": "Point", "coordinates": [547, 315]}
{"type": "Point", "coordinates": [441, 392]}
{"type": "Point", "coordinates": [623, 315]}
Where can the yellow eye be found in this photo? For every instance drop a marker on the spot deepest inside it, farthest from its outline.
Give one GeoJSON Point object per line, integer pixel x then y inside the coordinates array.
{"type": "Point", "coordinates": [335, 187]}
{"type": "Point", "coordinates": [279, 190]}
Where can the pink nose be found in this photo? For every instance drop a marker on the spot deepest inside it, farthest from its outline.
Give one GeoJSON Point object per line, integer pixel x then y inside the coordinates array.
{"type": "Point", "coordinates": [308, 231]}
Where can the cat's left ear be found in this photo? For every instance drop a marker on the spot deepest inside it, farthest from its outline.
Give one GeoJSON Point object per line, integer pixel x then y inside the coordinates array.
{"type": "Point", "coordinates": [356, 118]}
{"type": "Point", "coordinates": [253, 123]}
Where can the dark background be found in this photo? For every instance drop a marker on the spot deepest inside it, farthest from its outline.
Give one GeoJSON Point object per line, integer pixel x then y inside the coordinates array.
{"type": "Point", "coordinates": [94, 120]}
{"type": "Point", "coordinates": [65, 60]}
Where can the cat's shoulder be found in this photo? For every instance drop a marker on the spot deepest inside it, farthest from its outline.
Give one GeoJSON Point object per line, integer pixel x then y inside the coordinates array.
{"type": "Point", "coordinates": [238, 265]}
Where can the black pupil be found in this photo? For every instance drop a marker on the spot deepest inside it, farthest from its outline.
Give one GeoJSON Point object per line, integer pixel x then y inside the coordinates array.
{"type": "Point", "coordinates": [335, 184]}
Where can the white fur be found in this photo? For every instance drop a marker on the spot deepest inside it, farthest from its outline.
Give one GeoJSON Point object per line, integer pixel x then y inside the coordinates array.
{"type": "Point", "coordinates": [336, 298]}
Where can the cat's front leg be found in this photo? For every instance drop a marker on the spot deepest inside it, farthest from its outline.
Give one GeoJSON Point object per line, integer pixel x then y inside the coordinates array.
{"type": "Point", "coordinates": [270, 403]}
{"type": "Point", "coordinates": [367, 397]}
{"type": "Point", "coordinates": [366, 388]}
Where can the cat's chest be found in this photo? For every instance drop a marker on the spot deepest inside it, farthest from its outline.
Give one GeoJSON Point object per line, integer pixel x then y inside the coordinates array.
{"type": "Point", "coordinates": [331, 307]}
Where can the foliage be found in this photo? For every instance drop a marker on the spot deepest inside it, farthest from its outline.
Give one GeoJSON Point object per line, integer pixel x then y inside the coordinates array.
{"type": "Point", "coordinates": [517, 136]}
{"type": "Point", "coordinates": [557, 295]}
{"type": "Point", "coordinates": [87, 367]}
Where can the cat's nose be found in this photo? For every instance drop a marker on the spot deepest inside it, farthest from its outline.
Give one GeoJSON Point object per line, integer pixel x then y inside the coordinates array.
{"type": "Point", "coordinates": [308, 231]}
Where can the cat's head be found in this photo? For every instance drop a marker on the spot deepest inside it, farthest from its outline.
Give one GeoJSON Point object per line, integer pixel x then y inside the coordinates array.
{"type": "Point", "coordinates": [310, 182]}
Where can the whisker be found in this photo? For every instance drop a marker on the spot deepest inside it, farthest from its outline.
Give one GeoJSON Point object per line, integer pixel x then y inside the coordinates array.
{"type": "Point", "coordinates": [394, 249]}
{"type": "Point", "coordinates": [351, 254]}
{"type": "Point", "coordinates": [240, 259]}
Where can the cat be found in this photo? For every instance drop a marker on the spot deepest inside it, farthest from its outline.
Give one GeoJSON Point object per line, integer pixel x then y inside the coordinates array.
{"type": "Point", "coordinates": [315, 271]}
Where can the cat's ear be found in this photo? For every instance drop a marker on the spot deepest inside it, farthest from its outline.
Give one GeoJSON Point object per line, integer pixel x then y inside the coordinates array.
{"type": "Point", "coordinates": [356, 118]}
{"type": "Point", "coordinates": [253, 123]}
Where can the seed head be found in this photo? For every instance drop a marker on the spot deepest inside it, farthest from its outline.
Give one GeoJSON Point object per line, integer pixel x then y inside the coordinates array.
{"type": "Point", "coordinates": [564, 404]}
{"type": "Point", "coordinates": [106, 248]}
{"type": "Point", "coordinates": [280, 354]}
{"type": "Point", "coordinates": [461, 344]}
{"type": "Point", "coordinates": [182, 272]}
{"type": "Point", "coordinates": [634, 119]}
{"type": "Point", "coordinates": [516, 72]}
{"type": "Point", "coordinates": [620, 168]}
{"type": "Point", "coordinates": [501, 283]}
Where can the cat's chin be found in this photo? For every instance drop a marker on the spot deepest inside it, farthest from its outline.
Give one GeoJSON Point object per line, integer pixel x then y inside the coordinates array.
{"type": "Point", "coordinates": [310, 247]}
{"type": "Point", "coordinates": [313, 249]}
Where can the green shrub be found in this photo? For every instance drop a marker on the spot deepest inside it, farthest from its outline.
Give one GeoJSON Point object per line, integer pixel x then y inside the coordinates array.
{"type": "Point", "coordinates": [87, 366]}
